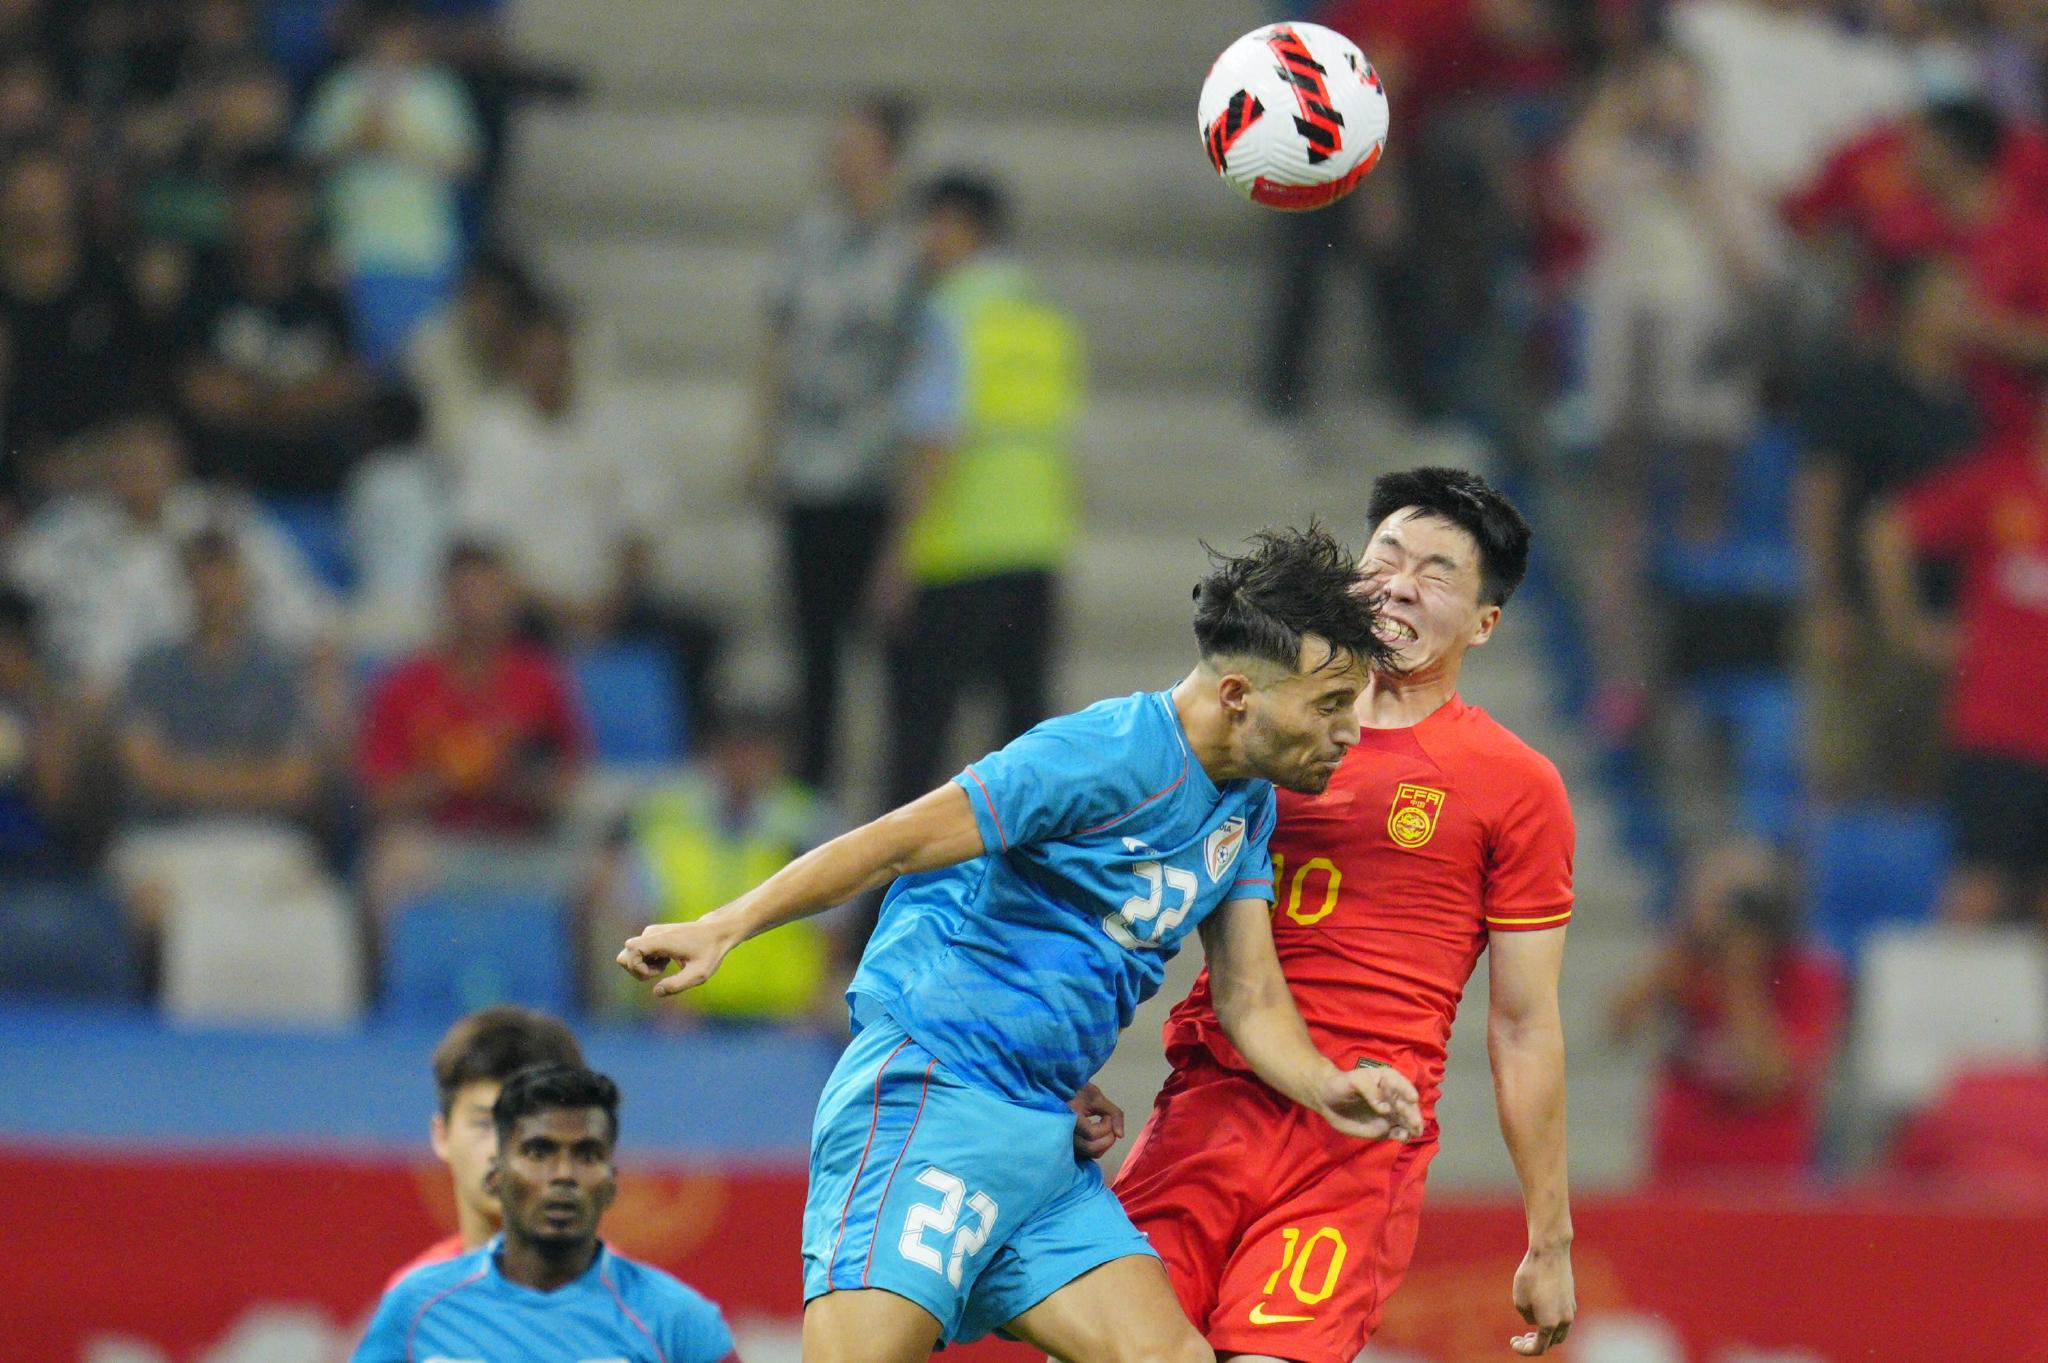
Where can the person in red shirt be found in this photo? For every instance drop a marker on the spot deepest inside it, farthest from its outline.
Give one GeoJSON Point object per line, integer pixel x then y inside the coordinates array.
{"type": "Point", "coordinates": [471, 745]}
{"type": "Point", "coordinates": [471, 1063]}
{"type": "Point", "coordinates": [1988, 515]}
{"type": "Point", "coordinates": [1757, 1014]}
{"type": "Point", "coordinates": [1441, 835]}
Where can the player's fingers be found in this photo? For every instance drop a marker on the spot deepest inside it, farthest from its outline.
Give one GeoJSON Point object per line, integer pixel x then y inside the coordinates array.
{"type": "Point", "coordinates": [1562, 1330]}
{"type": "Point", "coordinates": [689, 977]}
{"type": "Point", "coordinates": [1525, 1345]}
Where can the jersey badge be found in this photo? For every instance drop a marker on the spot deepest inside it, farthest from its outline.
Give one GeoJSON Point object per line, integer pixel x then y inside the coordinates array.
{"type": "Point", "coordinates": [1220, 851]}
{"type": "Point", "coordinates": [1412, 821]}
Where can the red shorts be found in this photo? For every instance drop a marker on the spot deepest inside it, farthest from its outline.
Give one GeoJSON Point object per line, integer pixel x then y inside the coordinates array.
{"type": "Point", "coordinates": [1282, 1237]}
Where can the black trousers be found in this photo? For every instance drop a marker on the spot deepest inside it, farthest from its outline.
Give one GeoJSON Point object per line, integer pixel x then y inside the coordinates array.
{"type": "Point", "coordinates": [829, 555]}
{"type": "Point", "coordinates": [993, 631]}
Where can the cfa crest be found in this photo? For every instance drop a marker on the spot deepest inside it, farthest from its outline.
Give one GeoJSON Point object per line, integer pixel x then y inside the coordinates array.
{"type": "Point", "coordinates": [1221, 850]}
{"type": "Point", "coordinates": [1412, 821]}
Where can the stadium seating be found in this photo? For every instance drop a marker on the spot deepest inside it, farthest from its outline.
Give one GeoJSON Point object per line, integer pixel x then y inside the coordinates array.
{"type": "Point", "coordinates": [1874, 865]}
{"type": "Point", "coordinates": [449, 954]}
{"type": "Point", "coordinates": [60, 939]}
{"type": "Point", "coordinates": [1934, 999]}
{"type": "Point", "coordinates": [280, 960]}
{"type": "Point", "coordinates": [1987, 1130]}
{"type": "Point", "coordinates": [634, 704]}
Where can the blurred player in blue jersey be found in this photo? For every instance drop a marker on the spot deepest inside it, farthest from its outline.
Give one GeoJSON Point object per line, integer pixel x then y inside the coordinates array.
{"type": "Point", "coordinates": [1036, 899]}
{"type": "Point", "coordinates": [547, 1290]}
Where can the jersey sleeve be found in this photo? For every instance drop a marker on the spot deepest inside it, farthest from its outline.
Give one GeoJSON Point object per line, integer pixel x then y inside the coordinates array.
{"type": "Point", "coordinates": [1053, 780]}
{"type": "Point", "coordinates": [1255, 867]}
{"type": "Point", "coordinates": [1529, 856]}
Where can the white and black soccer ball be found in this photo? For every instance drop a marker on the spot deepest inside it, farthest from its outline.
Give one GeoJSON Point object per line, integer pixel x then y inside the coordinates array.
{"type": "Point", "coordinates": [1293, 116]}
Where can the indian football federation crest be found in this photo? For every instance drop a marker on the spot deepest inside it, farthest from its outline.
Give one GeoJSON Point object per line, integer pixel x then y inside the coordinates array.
{"type": "Point", "coordinates": [1412, 821]}
{"type": "Point", "coordinates": [1220, 851]}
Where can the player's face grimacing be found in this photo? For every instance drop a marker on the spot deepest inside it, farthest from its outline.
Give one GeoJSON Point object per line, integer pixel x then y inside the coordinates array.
{"type": "Point", "coordinates": [466, 1141]}
{"type": "Point", "coordinates": [1425, 572]}
{"type": "Point", "coordinates": [554, 1177]}
{"type": "Point", "coordinates": [1298, 729]}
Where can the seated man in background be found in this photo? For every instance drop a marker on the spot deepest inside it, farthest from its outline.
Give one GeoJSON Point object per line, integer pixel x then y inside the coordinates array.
{"type": "Point", "coordinates": [547, 1290]}
{"type": "Point", "coordinates": [713, 833]}
{"type": "Point", "coordinates": [470, 749]}
{"type": "Point", "coordinates": [38, 750]}
{"type": "Point", "coordinates": [217, 755]}
{"type": "Point", "coordinates": [471, 1066]}
{"type": "Point", "coordinates": [1754, 1015]}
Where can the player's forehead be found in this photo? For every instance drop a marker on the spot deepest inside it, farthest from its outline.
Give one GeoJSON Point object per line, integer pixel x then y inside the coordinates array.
{"type": "Point", "coordinates": [1412, 534]}
{"type": "Point", "coordinates": [475, 1096]}
{"type": "Point", "coordinates": [563, 1125]}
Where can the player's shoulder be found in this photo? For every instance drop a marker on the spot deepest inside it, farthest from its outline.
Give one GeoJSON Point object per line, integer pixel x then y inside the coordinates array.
{"type": "Point", "coordinates": [662, 1293]}
{"type": "Point", "coordinates": [1475, 740]}
{"type": "Point", "coordinates": [1137, 731]}
{"type": "Point", "coordinates": [420, 1286]}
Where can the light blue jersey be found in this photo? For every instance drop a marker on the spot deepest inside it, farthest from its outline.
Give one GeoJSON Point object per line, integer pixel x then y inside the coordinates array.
{"type": "Point", "coordinates": [1106, 844]}
{"type": "Point", "coordinates": [619, 1309]}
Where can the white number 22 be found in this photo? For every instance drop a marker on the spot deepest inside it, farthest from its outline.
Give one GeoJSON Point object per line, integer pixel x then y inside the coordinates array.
{"type": "Point", "coordinates": [945, 1219]}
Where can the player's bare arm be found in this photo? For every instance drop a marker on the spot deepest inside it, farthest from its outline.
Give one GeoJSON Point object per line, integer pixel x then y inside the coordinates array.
{"type": "Point", "coordinates": [1525, 1041]}
{"type": "Point", "coordinates": [932, 831]}
{"type": "Point", "coordinates": [1261, 1020]}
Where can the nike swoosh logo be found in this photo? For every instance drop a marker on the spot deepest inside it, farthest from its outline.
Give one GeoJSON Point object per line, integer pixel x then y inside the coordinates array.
{"type": "Point", "coordinates": [1259, 1317]}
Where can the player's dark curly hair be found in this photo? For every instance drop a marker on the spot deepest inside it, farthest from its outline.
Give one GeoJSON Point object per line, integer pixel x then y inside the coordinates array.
{"type": "Point", "coordinates": [1473, 505]}
{"type": "Point", "coordinates": [1288, 585]}
{"type": "Point", "coordinates": [493, 1044]}
{"type": "Point", "coordinates": [545, 1088]}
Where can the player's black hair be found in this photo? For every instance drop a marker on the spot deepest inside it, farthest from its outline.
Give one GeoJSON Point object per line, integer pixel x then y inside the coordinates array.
{"type": "Point", "coordinates": [496, 1043]}
{"type": "Point", "coordinates": [1473, 505]}
{"type": "Point", "coordinates": [546, 1088]}
{"type": "Point", "coordinates": [1972, 127]}
{"type": "Point", "coordinates": [892, 113]}
{"type": "Point", "coordinates": [975, 197]}
{"type": "Point", "coordinates": [1288, 585]}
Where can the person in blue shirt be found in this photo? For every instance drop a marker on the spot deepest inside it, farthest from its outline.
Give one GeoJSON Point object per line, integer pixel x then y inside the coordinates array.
{"type": "Point", "coordinates": [1036, 899]}
{"type": "Point", "coordinates": [547, 1290]}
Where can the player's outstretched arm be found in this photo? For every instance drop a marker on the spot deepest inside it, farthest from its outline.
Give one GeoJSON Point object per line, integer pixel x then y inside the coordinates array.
{"type": "Point", "coordinates": [933, 831]}
{"type": "Point", "coordinates": [1259, 1016]}
{"type": "Point", "coordinates": [1525, 1040]}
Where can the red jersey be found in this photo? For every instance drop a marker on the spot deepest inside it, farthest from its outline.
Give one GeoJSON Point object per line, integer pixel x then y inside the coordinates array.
{"type": "Point", "coordinates": [1697, 1128]}
{"type": "Point", "coordinates": [1388, 883]}
{"type": "Point", "coordinates": [440, 1252]}
{"type": "Point", "coordinates": [477, 735]}
{"type": "Point", "coordinates": [1989, 513]}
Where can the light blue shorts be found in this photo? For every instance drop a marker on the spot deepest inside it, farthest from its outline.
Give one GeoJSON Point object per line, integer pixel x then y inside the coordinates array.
{"type": "Point", "coordinates": [971, 1206]}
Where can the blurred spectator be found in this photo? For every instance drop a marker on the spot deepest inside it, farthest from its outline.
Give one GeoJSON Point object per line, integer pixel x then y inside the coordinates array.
{"type": "Point", "coordinates": [1677, 257]}
{"type": "Point", "coordinates": [1999, 211]}
{"type": "Point", "coordinates": [105, 567]}
{"type": "Point", "coordinates": [557, 476]}
{"type": "Point", "coordinates": [696, 843]}
{"type": "Point", "coordinates": [1753, 1013]}
{"type": "Point", "coordinates": [467, 349]}
{"type": "Point", "coordinates": [470, 748]}
{"type": "Point", "coordinates": [62, 345]}
{"type": "Point", "coordinates": [38, 748]}
{"type": "Point", "coordinates": [827, 450]}
{"type": "Point", "coordinates": [217, 752]}
{"type": "Point", "coordinates": [397, 519]}
{"type": "Point", "coordinates": [1988, 515]}
{"type": "Point", "coordinates": [269, 378]}
{"type": "Point", "coordinates": [1872, 423]}
{"type": "Point", "coordinates": [184, 191]}
{"type": "Point", "coordinates": [968, 584]}
{"type": "Point", "coordinates": [397, 138]}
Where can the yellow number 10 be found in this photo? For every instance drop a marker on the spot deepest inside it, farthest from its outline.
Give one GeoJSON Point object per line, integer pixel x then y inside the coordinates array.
{"type": "Point", "coordinates": [1291, 904]}
{"type": "Point", "coordinates": [1290, 1240]}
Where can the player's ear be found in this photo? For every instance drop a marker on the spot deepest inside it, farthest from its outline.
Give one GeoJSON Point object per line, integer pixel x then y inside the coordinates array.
{"type": "Point", "coordinates": [1488, 618]}
{"type": "Point", "coordinates": [1234, 692]}
{"type": "Point", "coordinates": [437, 1136]}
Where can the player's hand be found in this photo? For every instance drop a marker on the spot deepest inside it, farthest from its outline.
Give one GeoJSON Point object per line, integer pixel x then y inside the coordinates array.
{"type": "Point", "coordinates": [1098, 1123]}
{"type": "Point", "coordinates": [1373, 1103]}
{"type": "Point", "coordinates": [1546, 1298]}
{"type": "Point", "coordinates": [696, 947]}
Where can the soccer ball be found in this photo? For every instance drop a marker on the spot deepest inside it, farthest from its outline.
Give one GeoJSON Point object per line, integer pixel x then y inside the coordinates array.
{"type": "Point", "coordinates": [1293, 116]}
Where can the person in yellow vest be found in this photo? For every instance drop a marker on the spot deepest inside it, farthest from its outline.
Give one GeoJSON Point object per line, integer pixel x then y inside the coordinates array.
{"type": "Point", "coordinates": [718, 829]}
{"type": "Point", "coordinates": [969, 583]}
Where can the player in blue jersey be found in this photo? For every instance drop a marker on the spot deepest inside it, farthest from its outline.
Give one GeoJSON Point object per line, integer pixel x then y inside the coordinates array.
{"type": "Point", "coordinates": [1036, 899]}
{"type": "Point", "coordinates": [547, 1290]}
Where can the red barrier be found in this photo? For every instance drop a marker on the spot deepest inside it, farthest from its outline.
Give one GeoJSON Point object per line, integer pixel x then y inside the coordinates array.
{"type": "Point", "coordinates": [174, 1251]}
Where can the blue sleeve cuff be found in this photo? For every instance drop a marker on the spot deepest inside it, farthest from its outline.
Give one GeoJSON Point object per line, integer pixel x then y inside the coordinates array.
{"type": "Point", "coordinates": [994, 839]}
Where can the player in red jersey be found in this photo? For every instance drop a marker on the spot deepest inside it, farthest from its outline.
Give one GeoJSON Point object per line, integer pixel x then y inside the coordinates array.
{"type": "Point", "coordinates": [471, 1064]}
{"type": "Point", "coordinates": [1442, 834]}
